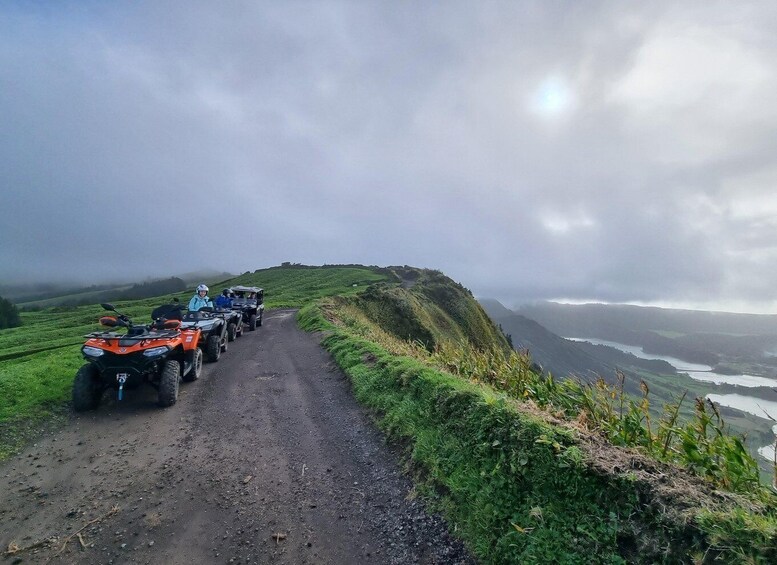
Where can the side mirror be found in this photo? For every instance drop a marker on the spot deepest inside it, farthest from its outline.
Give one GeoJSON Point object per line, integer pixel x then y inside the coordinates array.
{"type": "Point", "coordinates": [108, 306]}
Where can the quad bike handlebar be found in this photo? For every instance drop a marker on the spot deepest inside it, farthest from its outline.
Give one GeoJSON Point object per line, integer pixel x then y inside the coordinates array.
{"type": "Point", "coordinates": [162, 326]}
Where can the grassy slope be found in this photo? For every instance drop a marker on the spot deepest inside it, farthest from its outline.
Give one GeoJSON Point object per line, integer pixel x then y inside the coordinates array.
{"type": "Point", "coordinates": [39, 359]}
{"type": "Point", "coordinates": [517, 487]}
{"type": "Point", "coordinates": [432, 310]}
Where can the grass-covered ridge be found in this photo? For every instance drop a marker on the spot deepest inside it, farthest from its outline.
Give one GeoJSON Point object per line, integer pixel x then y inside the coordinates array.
{"type": "Point", "coordinates": [517, 463]}
{"type": "Point", "coordinates": [525, 466]}
{"type": "Point", "coordinates": [39, 359]}
{"type": "Point", "coordinates": [429, 308]}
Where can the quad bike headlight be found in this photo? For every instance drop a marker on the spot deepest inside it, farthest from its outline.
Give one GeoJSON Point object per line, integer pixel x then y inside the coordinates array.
{"type": "Point", "coordinates": [90, 351]}
{"type": "Point", "coordinates": [155, 351]}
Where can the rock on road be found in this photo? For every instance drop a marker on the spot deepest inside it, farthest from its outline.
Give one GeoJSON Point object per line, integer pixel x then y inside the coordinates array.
{"type": "Point", "coordinates": [267, 458]}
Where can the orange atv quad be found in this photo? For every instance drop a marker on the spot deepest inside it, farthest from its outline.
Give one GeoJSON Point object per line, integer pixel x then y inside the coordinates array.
{"type": "Point", "coordinates": [160, 354]}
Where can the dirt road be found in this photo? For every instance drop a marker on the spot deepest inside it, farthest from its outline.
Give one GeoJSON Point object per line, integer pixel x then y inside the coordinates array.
{"type": "Point", "coordinates": [266, 459]}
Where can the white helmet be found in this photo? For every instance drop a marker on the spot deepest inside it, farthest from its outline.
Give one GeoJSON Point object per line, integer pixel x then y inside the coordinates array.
{"type": "Point", "coordinates": [202, 287]}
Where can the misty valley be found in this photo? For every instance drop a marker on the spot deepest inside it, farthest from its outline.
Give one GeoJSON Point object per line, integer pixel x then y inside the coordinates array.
{"type": "Point", "coordinates": [726, 358]}
{"type": "Point", "coordinates": [754, 405]}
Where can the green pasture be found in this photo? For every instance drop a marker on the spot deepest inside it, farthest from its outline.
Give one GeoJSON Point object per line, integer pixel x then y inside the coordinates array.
{"type": "Point", "coordinates": [39, 359]}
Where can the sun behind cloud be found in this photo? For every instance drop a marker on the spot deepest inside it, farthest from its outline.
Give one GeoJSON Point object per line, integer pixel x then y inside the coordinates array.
{"type": "Point", "coordinates": [551, 98]}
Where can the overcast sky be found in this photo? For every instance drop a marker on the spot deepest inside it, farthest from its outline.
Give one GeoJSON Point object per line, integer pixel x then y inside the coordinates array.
{"type": "Point", "coordinates": [590, 151]}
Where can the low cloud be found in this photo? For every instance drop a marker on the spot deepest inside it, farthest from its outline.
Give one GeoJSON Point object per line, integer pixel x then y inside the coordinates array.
{"type": "Point", "coordinates": [530, 151]}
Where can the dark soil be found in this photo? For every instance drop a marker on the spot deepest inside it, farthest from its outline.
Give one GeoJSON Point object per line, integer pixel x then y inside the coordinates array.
{"type": "Point", "coordinates": [266, 459]}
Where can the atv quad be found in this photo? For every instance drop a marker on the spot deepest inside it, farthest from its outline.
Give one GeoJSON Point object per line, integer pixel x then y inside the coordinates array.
{"type": "Point", "coordinates": [160, 354]}
{"type": "Point", "coordinates": [249, 300]}
{"type": "Point", "coordinates": [213, 331]}
{"type": "Point", "coordinates": [234, 321]}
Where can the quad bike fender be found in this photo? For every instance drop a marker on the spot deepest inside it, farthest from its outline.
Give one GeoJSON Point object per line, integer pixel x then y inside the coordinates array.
{"type": "Point", "coordinates": [190, 339]}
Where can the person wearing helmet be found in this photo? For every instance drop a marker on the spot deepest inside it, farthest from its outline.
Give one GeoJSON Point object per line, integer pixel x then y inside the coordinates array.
{"type": "Point", "coordinates": [200, 299]}
{"type": "Point", "coordinates": [223, 300]}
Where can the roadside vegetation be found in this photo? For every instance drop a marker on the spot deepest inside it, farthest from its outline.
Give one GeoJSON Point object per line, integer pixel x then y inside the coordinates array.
{"type": "Point", "coordinates": [529, 468]}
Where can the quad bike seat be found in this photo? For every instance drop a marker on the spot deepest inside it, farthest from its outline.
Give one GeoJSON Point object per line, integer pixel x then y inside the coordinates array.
{"type": "Point", "coordinates": [167, 311]}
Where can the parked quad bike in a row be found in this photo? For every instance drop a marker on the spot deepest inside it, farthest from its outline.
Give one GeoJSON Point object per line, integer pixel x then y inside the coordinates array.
{"type": "Point", "coordinates": [161, 354]}
{"type": "Point", "coordinates": [249, 301]}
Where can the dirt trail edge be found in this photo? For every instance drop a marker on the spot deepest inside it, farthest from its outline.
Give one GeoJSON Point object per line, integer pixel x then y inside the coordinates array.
{"type": "Point", "coordinates": [266, 459]}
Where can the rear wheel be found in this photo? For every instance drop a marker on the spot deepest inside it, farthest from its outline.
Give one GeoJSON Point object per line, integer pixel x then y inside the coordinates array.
{"type": "Point", "coordinates": [196, 370]}
{"type": "Point", "coordinates": [87, 389]}
{"type": "Point", "coordinates": [232, 331]}
{"type": "Point", "coordinates": [168, 383]}
{"type": "Point", "coordinates": [252, 323]}
{"type": "Point", "coordinates": [213, 348]}
{"type": "Point", "coordinates": [261, 315]}
{"type": "Point", "coordinates": [239, 331]}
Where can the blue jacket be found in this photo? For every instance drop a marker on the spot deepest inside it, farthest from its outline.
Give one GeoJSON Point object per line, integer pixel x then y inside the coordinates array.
{"type": "Point", "coordinates": [223, 301]}
{"type": "Point", "coordinates": [196, 303]}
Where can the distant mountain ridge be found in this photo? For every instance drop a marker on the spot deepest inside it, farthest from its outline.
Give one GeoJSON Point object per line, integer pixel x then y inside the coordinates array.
{"type": "Point", "coordinates": [709, 338]}
{"type": "Point", "coordinates": [33, 296]}
{"type": "Point", "coordinates": [34, 291]}
{"type": "Point", "coordinates": [562, 357]}
{"type": "Point", "coordinates": [572, 319]}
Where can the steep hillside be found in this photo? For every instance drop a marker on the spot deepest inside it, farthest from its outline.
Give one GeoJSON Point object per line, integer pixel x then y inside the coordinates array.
{"type": "Point", "coordinates": [564, 358]}
{"type": "Point", "coordinates": [534, 469]}
{"type": "Point", "coordinates": [553, 353]}
{"type": "Point", "coordinates": [429, 308]}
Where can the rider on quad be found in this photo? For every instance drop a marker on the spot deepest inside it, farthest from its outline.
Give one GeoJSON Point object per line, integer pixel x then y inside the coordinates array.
{"type": "Point", "coordinates": [200, 299]}
{"type": "Point", "coordinates": [223, 300]}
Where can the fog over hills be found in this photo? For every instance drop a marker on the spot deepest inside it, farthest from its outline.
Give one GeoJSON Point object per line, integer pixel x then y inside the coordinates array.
{"type": "Point", "coordinates": [610, 151]}
{"type": "Point", "coordinates": [579, 319]}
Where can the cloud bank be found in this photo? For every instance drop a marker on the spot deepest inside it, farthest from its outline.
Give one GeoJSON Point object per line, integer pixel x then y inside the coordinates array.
{"type": "Point", "coordinates": [530, 150]}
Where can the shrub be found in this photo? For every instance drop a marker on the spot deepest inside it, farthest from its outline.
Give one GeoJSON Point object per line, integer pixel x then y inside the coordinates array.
{"type": "Point", "coordinates": [9, 314]}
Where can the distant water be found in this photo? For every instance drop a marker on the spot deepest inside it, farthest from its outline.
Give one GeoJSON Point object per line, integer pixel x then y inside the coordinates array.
{"type": "Point", "coordinates": [767, 451]}
{"type": "Point", "coordinates": [696, 371]}
{"type": "Point", "coordinates": [748, 404]}
{"type": "Point", "coordinates": [752, 406]}
{"type": "Point", "coordinates": [704, 373]}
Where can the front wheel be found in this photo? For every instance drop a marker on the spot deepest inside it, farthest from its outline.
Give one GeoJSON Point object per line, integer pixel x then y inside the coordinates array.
{"type": "Point", "coordinates": [87, 389]}
{"type": "Point", "coordinates": [168, 383]}
{"type": "Point", "coordinates": [261, 315]}
{"type": "Point", "coordinates": [232, 331]}
{"type": "Point", "coordinates": [252, 323]}
{"type": "Point", "coordinates": [213, 348]}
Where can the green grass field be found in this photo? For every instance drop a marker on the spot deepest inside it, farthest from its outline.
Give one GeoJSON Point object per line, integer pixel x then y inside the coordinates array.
{"type": "Point", "coordinates": [39, 359]}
